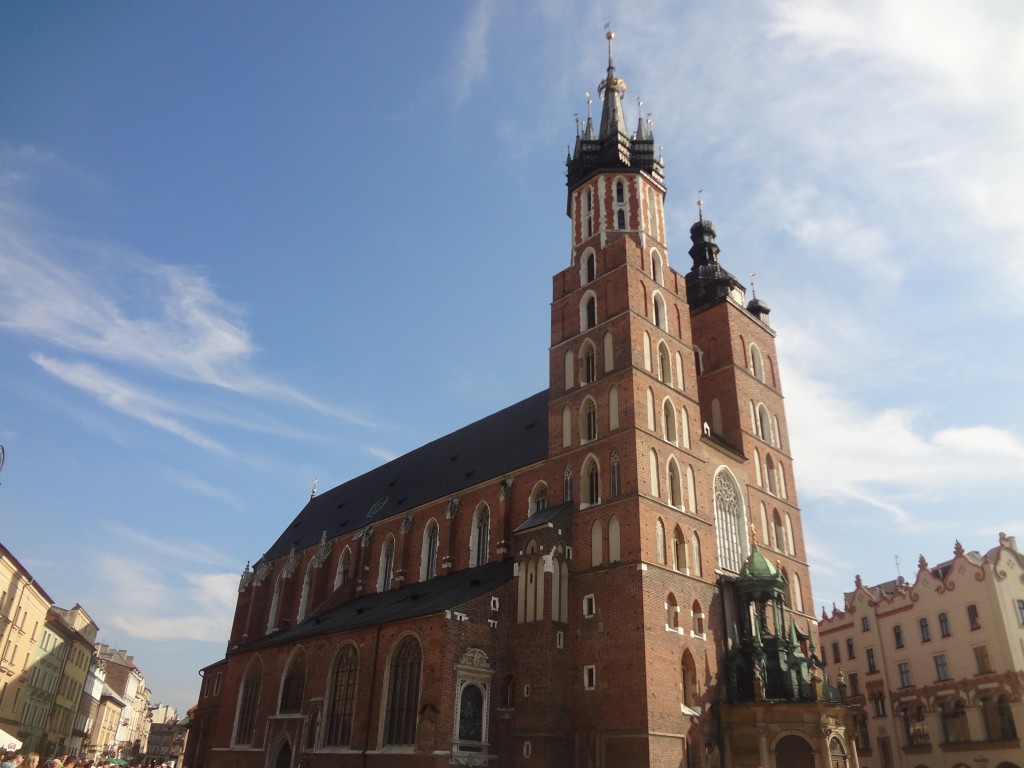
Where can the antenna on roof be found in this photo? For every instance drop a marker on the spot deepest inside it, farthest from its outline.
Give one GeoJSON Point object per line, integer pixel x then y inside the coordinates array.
{"type": "Point", "coordinates": [898, 574]}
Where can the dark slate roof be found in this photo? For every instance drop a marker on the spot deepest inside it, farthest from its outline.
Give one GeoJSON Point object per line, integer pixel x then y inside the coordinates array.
{"type": "Point", "coordinates": [541, 518]}
{"type": "Point", "coordinates": [423, 598]}
{"type": "Point", "coordinates": [494, 446]}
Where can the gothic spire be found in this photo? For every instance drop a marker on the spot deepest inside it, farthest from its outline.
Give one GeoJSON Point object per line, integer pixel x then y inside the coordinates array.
{"type": "Point", "coordinates": [611, 90]}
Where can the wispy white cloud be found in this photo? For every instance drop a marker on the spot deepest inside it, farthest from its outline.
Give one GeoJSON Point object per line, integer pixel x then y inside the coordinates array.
{"type": "Point", "coordinates": [191, 552]}
{"type": "Point", "coordinates": [126, 399]}
{"type": "Point", "coordinates": [473, 51]}
{"type": "Point", "coordinates": [143, 604]}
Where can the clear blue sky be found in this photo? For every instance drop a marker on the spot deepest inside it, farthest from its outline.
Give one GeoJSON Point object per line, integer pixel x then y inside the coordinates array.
{"type": "Point", "coordinates": [243, 246]}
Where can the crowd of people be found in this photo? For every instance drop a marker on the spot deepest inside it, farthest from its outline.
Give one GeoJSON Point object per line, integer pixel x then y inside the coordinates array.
{"type": "Point", "coordinates": [31, 760]}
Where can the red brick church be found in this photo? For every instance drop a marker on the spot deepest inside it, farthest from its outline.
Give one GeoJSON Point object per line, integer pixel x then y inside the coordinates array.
{"type": "Point", "coordinates": [611, 572]}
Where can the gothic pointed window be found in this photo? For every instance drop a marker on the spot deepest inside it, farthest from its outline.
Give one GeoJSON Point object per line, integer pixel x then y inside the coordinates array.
{"type": "Point", "coordinates": [344, 568]}
{"type": "Point", "coordinates": [248, 699]}
{"type": "Point", "coordinates": [471, 718]}
{"type": "Point", "coordinates": [293, 685]}
{"type": "Point", "coordinates": [538, 499]}
{"type": "Point", "coordinates": [588, 311]}
{"type": "Point", "coordinates": [588, 213]}
{"type": "Point", "coordinates": [616, 478]}
{"type": "Point", "coordinates": [659, 541]}
{"type": "Point", "coordinates": [657, 271]}
{"type": "Point", "coordinates": [589, 267]}
{"type": "Point", "coordinates": [593, 482]}
{"type": "Point", "coordinates": [588, 425]}
{"type": "Point", "coordinates": [678, 550]}
{"type": "Point", "coordinates": [670, 422]}
{"type": "Point", "coordinates": [756, 362]}
{"type": "Point", "coordinates": [620, 192]}
{"type": "Point", "coordinates": [386, 568]}
{"type": "Point", "coordinates": [480, 541]}
{"type": "Point", "coordinates": [620, 219]}
{"type": "Point", "coordinates": [567, 485]}
{"type": "Point", "coordinates": [428, 555]}
{"type": "Point", "coordinates": [403, 694]}
{"type": "Point", "coordinates": [660, 316]}
{"type": "Point", "coordinates": [664, 364]}
{"type": "Point", "coordinates": [675, 490]}
{"type": "Point", "coordinates": [589, 363]}
{"type": "Point", "coordinates": [341, 698]}
{"type": "Point", "coordinates": [729, 521]}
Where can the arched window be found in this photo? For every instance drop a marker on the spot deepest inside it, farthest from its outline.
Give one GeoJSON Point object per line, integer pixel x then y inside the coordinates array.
{"type": "Point", "coordinates": [344, 568]}
{"type": "Point", "coordinates": [248, 700]}
{"type": "Point", "coordinates": [756, 363]}
{"type": "Point", "coordinates": [596, 544]}
{"type": "Point", "coordinates": [679, 379]}
{"type": "Point", "coordinates": [589, 271]}
{"type": "Point", "coordinates": [588, 311]}
{"type": "Point", "coordinates": [652, 212]}
{"type": "Point", "coordinates": [659, 542]}
{"type": "Point", "coordinates": [698, 618]}
{"type": "Point", "coordinates": [716, 416]}
{"type": "Point", "coordinates": [954, 721]}
{"type": "Point", "coordinates": [675, 490]}
{"type": "Point", "coordinates": [616, 475]}
{"type": "Point", "coordinates": [688, 673]}
{"type": "Point", "coordinates": [609, 352]}
{"type": "Point", "coordinates": [589, 363]}
{"type": "Point", "coordinates": [591, 490]}
{"type": "Point", "coordinates": [769, 471]}
{"type": "Point", "coordinates": [657, 271]}
{"type": "Point", "coordinates": [570, 367]}
{"type": "Point", "coordinates": [480, 537]}
{"type": "Point", "coordinates": [342, 697]}
{"type": "Point", "coordinates": [790, 543]}
{"type": "Point", "coordinates": [684, 419]}
{"type": "Point", "coordinates": [620, 219]}
{"type": "Point", "coordinates": [403, 694]}
{"type": "Point", "coordinates": [660, 316]}
{"type": "Point", "coordinates": [614, 540]}
{"type": "Point", "coordinates": [765, 424]}
{"type": "Point", "coordinates": [566, 426]}
{"type": "Point", "coordinates": [691, 490]}
{"type": "Point", "coordinates": [275, 603]}
{"type": "Point", "coordinates": [766, 537]}
{"type": "Point", "coordinates": [664, 364]}
{"type": "Point", "coordinates": [655, 481]}
{"type": "Point", "coordinates": [588, 421]}
{"type": "Point", "coordinates": [588, 213]}
{"type": "Point", "coordinates": [670, 422]}
{"type": "Point", "coordinates": [538, 499]}
{"type": "Point", "coordinates": [798, 593]}
{"type": "Point", "coordinates": [671, 612]}
{"type": "Point", "coordinates": [293, 685]}
{"type": "Point", "coordinates": [613, 408]}
{"type": "Point", "coordinates": [620, 192]}
{"type": "Point", "coordinates": [567, 485]}
{"type": "Point", "coordinates": [386, 569]}
{"type": "Point", "coordinates": [647, 351]}
{"type": "Point", "coordinates": [678, 550]}
{"type": "Point", "coordinates": [697, 568]}
{"type": "Point", "coordinates": [428, 554]}
{"type": "Point", "coordinates": [729, 520]}
{"type": "Point", "coordinates": [307, 585]}
{"type": "Point", "coordinates": [651, 418]}
{"type": "Point", "coordinates": [780, 532]}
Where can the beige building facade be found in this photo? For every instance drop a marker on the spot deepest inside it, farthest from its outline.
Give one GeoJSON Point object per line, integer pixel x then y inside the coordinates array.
{"type": "Point", "coordinates": [937, 664]}
{"type": "Point", "coordinates": [23, 608]}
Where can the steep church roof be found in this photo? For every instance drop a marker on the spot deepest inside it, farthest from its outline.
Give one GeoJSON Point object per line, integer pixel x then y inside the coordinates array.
{"type": "Point", "coordinates": [514, 437]}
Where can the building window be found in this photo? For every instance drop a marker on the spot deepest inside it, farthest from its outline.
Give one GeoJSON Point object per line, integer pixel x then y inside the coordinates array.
{"type": "Point", "coordinates": [589, 677]}
{"type": "Point", "coordinates": [590, 312]}
{"type": "Point", "coordinates": [471, 735]}
{"type": "Point", "coordinates": [1020, 612]}
{"type": "Point", "coordinates": [616, 481]}
{"type": "Point", "coordinates": [941, 668]}
{"type": "Point", "coordinates": [539, 499]}
{"type": "Point", "coordinates": [926, 633]}
{"type": "Point", "coordinates": [972, 617]}
{"type": "Point", "coordinates": [835, 653]}
{"type": "Point", "coordinates": [589, 267]}
{"type": "Point", "coordinates": [954, 721]}
{"type": "Point", "coordinates": [620, 192]}
{"type": "Point", "coordinates": [865, 625]}
{"type": "Point", "coordinates": [567, 485]}
{"type": "Point", "coordinates": [620, 219]}
{"type": "Point", "coordinates": [872, 666]}
{"type": "Point", "coordinates": [386, 570]}
{"type": "Point", "coordinates": [294, 683]}
{"type": "Point", "coordinates": [342, 698]}
{"type": "Point", "coordinates": [897, 635]}
{"type": "Point", "coordinates": [403, 694]}
{"type": "Point", "coordinates": [593, 487]}
{"type": "Point", "coordinates": [698, 619]}
{"type": "Point", "coordinates": [729, 520]}
{"type": "Point", "coordinates": [906, 681]}
{"type": "Point", "coordinates": [756, 363]}
{"type": "Point", "coordinates": [247, 702]}
{"type": "Point", "coordinates": [982, 660]}
{"type": "Point", "coordinates": [878, 701]}
{"type": "Point", "coordinates": [659, 541]}
{"type": "Point", "coordinates": [944, 625]}
{"type": "Point", "coordinates": [589, 365]}
{"type": "Point", "coordinates": [589, 421]}
{"type": "Point", "coordinates": [480, 536]}
{"type": "Point", "coordinates": [428, 557]}
{"type": "Point", "coordinates": [850, 653]}
{"type": "Point", "coordinates": [589, 606]}
{"type": "Point", "coordinates": [854, 680]}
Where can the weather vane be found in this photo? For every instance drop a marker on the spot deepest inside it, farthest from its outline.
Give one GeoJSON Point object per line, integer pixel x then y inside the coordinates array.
{"type": "Point", "coordinates": [700, 204]}
{"type": "Point", "coordinates": [753, 285]}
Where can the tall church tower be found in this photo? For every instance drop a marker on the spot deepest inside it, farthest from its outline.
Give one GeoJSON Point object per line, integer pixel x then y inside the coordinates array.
{"type": "Point", "coordinates": [668, 443]}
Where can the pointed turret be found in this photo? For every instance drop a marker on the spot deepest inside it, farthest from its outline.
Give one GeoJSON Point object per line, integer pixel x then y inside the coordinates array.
{"type": "Point", "coordinates": [610, 146]}
{"type": "Point", "coordinates": [708, 282]}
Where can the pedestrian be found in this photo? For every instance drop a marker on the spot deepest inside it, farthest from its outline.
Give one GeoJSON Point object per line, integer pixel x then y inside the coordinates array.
{"type": "Point", "coordinates": [11, 760]}
{"type": "Point", "coordinates": [32, 761]}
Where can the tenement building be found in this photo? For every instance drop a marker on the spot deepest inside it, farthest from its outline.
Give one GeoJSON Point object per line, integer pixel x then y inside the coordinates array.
{"type": "Point", "coordinates": [611, 572]}
{"type": "Point", "coordinates": [936, 665]}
